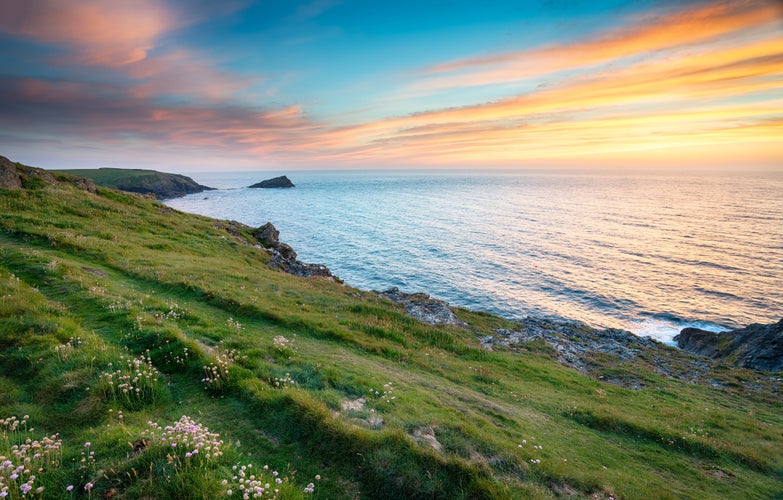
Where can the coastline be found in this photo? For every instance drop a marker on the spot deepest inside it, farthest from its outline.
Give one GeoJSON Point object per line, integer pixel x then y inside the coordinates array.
{"type": "Point", "coordinates": [510, 246]}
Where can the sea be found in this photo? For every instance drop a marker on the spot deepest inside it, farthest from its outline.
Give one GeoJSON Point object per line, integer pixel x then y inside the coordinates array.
{"type": "Point", "coordinates": [648, 252]}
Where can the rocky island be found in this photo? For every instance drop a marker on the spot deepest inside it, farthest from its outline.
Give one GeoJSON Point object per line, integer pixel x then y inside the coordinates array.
{"type": "Point", "coordinates": [276, 182]}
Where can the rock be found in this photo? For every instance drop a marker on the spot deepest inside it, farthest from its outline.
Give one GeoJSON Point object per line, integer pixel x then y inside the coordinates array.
{"type": "Point", "coordinates": [573, 341]}
{"type": "Point", "coordinates": [9, 176]}
{"type": "Point", "coordinates": [267, 235]}
{"type": "Point", "coordinates": [759, 347]}
{"type": "Point", "coordinates": [284, 257]}
{"type": "Point", "coordinates": [277, 182]}
{"type": "Point", "coordinates": [422, 307]}
{"type": "Point", "coordinates": [16, 176]}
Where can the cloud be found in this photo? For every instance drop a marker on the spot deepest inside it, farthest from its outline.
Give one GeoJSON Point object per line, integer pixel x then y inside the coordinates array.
{"type": "Point", "coordinates": [703, 79]}
{"type": "Point", "coordinates": [650, 35]}
{"type": "Point", "coordinates": [103, 113]}
{"type": "Point", "coordinates": [98, 32]}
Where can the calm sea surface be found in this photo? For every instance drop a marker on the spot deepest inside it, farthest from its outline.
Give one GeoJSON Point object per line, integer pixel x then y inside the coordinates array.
{"type": "Point", "coordinates": [650, 253]}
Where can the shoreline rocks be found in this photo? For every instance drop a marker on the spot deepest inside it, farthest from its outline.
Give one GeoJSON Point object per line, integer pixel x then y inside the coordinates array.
{"type": "Point", "coordinates": [572, 341]}
{"type": "Point", "coordinates": [758, 347]}
{"type": "Point", "coordinates": [276, 182]}
{"type": "Point", "coordinates": [284, 257]}
{"type": "Point", "coordinates": [424, 308]}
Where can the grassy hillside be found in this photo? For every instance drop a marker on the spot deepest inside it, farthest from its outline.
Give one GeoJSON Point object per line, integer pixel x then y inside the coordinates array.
{"type": "Point", "coordinates": [130, 332]}
{"type": "Point", "coordinates": [161, 184]}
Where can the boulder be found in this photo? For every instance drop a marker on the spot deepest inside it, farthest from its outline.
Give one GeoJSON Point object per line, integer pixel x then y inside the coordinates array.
{"type": "Point", "coordinates": [16, 176]}
{"type": "Point", "coordinates": [759, 347]}
{"type": "Point", "coordinates": [422, 307]}
{"type": "Point", "coordinates": [9, 176]}
{"type": "Point", "coordinates": [284, 257]}
{"type": "Point", "coordinates": [267, 235]}
{"type": "Point", "coordinates": [277, 182]}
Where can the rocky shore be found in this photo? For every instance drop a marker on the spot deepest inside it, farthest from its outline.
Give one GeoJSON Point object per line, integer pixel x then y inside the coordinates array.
{"type": "Point", "coordinates": [612, 354]}
{"type": "Point", "coordinates": [758, 347]}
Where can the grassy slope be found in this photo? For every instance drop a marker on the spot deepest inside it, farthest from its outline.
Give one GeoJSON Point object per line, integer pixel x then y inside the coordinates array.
{"type": "Point", "coordinates": [128, 275]}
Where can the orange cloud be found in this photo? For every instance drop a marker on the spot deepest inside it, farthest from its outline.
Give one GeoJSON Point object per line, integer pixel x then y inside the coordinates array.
{"type": "Point", "coordinates": [723, 90]}
{"type": "Point", "coordinates": [647, 35]}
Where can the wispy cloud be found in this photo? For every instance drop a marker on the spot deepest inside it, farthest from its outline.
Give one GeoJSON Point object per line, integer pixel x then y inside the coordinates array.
{"type": "Point", "coordinates": [706, 75]}
{"type": "Point", "coordinates": [648, 35]}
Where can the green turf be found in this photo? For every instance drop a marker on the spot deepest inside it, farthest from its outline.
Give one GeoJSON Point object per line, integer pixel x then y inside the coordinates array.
{"type": "Point", "coordinates": [92, 283]}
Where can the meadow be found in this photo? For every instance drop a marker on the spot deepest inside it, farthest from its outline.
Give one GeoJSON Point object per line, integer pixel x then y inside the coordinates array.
{"type": "Point", "coordinates": [149, 353]}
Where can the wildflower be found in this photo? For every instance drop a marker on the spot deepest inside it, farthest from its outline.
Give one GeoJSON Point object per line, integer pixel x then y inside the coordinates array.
{"type": "Point", "coordinates": [25, 487]}
{"type": "Point", "coordinates": [69, 488]}
{"type": "Point", "coordinates": [88, 486]}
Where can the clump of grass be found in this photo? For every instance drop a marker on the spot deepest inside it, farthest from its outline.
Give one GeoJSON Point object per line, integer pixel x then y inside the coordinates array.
{"type": "Point", "coordinates": [133, 383]}
{"type": "Point", "coordinates": [65, 351]}
{"type": "Point", "coordinates": [247, 482]}
{"type": "Point", "coordinates": [217, 376]}
{"type": "Point", "coordinates": [284, 382]}
{"type": "Point", "coordinates": [284, 348]}
{"type": "Point", "coordinates": [385, 395]}
{"type": "Point", "coordinates": [186, 443]}
{"type": "Point", "coordinates": [24, 461]}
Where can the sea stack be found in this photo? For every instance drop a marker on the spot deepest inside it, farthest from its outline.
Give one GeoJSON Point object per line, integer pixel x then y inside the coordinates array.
{"type": "Point", "coordinates": [277, 182]}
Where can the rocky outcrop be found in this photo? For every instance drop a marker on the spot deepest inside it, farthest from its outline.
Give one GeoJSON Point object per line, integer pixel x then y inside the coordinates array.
{"type": "Point", "coordinates": [573, 342]}
{"type": "Point", "coordinates": [759, 347]}
{"type": "Point", "coordinates": [10, 178]}
{"type": "Point", "coordinates": [424, 308]}
{"type": "Point", "coordinates": [277, 182]}
{"type": "Point", "coordinates": [284, 257]}
{"type": "Point", "coordinates": [16, 176]}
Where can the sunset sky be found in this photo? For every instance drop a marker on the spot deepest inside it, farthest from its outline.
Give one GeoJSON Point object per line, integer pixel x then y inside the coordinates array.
{"type": "Point", "coordinates": [183, 85]}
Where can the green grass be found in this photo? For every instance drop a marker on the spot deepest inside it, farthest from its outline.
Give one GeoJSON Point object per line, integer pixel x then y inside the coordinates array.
{"type": "Point", "coordinates": [91, 282]}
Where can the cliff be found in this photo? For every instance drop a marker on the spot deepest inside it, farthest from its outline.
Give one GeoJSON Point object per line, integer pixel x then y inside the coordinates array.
{"type": "Point", "coordinates": [759, 347]}
{"type": "Point", "coordinates": [161, 184]}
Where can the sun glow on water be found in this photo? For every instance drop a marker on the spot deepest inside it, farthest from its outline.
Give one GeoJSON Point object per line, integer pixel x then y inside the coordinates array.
{"type": "Point", "coordinates": [650, 253]}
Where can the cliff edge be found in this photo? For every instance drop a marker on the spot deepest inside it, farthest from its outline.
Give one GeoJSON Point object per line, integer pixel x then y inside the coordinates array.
{"type": "Point", "coordinates": [756, 346]}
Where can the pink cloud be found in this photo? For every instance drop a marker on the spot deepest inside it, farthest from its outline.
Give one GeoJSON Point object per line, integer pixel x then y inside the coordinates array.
{"type": "Point", "coordinates": [98, 32]}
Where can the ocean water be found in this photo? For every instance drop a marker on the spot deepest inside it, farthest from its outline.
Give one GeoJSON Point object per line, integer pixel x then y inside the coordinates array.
{"type": "Point", "coordinates": [647, 252]}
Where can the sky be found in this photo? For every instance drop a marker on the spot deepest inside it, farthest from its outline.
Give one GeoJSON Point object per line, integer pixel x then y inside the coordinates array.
{"type": "Point", "coordinates": [199, 85]}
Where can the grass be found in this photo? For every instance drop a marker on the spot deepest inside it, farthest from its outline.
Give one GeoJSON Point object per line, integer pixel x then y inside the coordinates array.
{"type": "Point", "coordinates": [291, 373]}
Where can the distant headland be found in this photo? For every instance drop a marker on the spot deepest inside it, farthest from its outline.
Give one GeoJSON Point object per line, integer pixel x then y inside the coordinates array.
{"type": "Point", "coordinates": [160, 184]}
